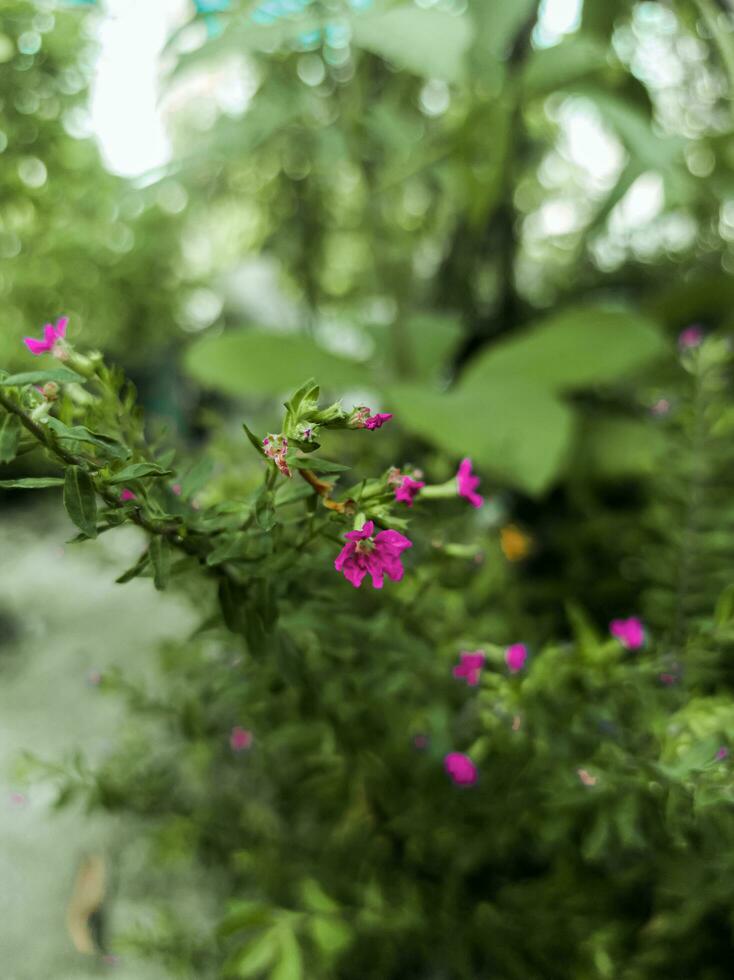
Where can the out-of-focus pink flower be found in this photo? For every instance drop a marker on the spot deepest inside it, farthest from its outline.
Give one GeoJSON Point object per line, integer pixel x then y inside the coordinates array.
{"type": "Point", "coordinates": [690, 337]}
{"type": "Point", "coordinates": [630, 632]}
{"type": "Point", "coordinates": [94, 678]}
{"type": "Point", "coordinates": [378, 556]}
{"type": "Point", "coordinates": [660, 407]}
{"type": "Point", "coordinates": [586, 778]}
{"type": "Point", "coordinates": [468, 483]}
{"type": "Point", "coordinates": [470, 667]}
{"type": "Point", "coordinates": [51, 337]}
{"type": "Point", "coordinates": [18, 800]}
{"type": "Point", "coordinates": [240, 739]}
{"type": "Point", "coordinates": [177, 489]}
{"type": "Point", "coordinates": [461, 769]}
{"type": "Point", "coordinates": [515, 657]}
{"type": "Point", "coordinates": [668, 679]}
{"type": "Point", "coordinates": [276, 448]}
{"type": "Point", "coordinates": [408, 490]}
{"type": "Point", "coordinates": [722, 753]}
{"type": "Point", "coordinates": [127, 495]}
{"type": "Point", "coordinates": [420, 741]}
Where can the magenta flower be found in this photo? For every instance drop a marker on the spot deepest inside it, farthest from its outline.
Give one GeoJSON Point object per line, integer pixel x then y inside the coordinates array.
{"type": "Point", "coordinates": [361, 418]}
{"type": "Point", "coordinates": [515, 657]}
{"type": "Point", "coordinates": [468, 484]}
{"type": "Point", "coordinates": [408, 490]}
{"type": "Point", "coordinates": [378, 420]}
{"type": "Point", "coordinates": [127, 495]}
{"type": "Point", "coordinates": [177, 489]}
{"type": "Point", "coordinates": [470, 667]}
{"type": "Point", "coordinates": [690, 337]}
{"type": "Point", "coordinates": [52, 336]}
{"type": "Point", "coordinates": [276, 448]}
{"type": "Point", "coordinates": [722, 753]}
{"type": "Point", "coordinates": [240, 739]}
{"type": "Point", "coordinates": [378, 556]}
{"type": "Point", "coordinates": [629, 632]}
{"type": "Point", "coordinates": [461, 769]}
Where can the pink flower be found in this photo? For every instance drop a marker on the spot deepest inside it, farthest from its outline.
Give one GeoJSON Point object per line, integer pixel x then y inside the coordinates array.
{"type": "Point", "coordinates": [470, 667]}
{"type": "Point", "coordinates": [177, 489]}
{"type": "Point", "coordinates": [586, 778]}
{"type": "Point", "coordinates": [468, 484]}
{"type": "Point", "coordinates": [420, 741]}
{"type": "Point", "coordinates": [379, 556]}
{"type": "Point", "coordinates": [127, 495]}
{"type": "Point", "coordinates": [690, 337]}
{"type": "Point", "coordinates": [629, 632]}
{"type": "Point", "coordinates": [276, 448]}
{"type": "Point", "coordinates": [240, 739]}
{"type": "Point", "coordinates": [52, 336]}
{"type": "Point", "coordinates": [361, 418]}
{"type": "Point", "coordinates": [408, 490]}
{"type": "Point", "coordinates": [378, 420]}
{"type": "Point", "coordinates": [722, 753]}
{"type": "Point", "coordinates": [515, 657]}
{"type": "Point", "coordinates": [461, 769]}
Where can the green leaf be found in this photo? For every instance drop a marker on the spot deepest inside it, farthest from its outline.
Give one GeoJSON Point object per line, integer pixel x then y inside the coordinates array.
{"type": "Point", "coordinates": [160, 557]}
{"type": "Point", "coordinates": [32, 483]}
{"type": "Point", "coordinates": [289, 965]}
{"type": "Point", "coordinates": [431, 43]}
{"type": "Point", "coordinates": [331, 935]}
{"type": "Point", "coordinates": [196, 478]}
{"type": "Point", "coordinates": [10, 433]}
{"type": "Point", "coordinates": [137, 569]}
{"type": "Point", "coordinates": [256, 443]}
{"type": "Point", "coordinates": [549, 69]}
{"type": "Point", "coordinates": [137, 471]}
{"type": "Point", "coordinates": [620, 447]}
{"type": "Point", "coordinates": [80, 500]}
{"type": "Point", "coordinates": [247, 362]}
{"type": "Point", "coordinates": [315, 898]}
{"type": "Point", "coordinates": [106, 445]}
{"type": "Point", "coordinates": [433, 338]}
{"type": "Point", "coordinates": [517, 431]}
{"type": "Point", "coordinates": [61, 375]}
{"type": "Point", "coordinates": [316, 465]}
{"type": "Point", "coordinates": [575, 348]}
{"type": "Point", "coordinates": [257, 955]}
{"type": "Point", "coordinates": [244, 914]}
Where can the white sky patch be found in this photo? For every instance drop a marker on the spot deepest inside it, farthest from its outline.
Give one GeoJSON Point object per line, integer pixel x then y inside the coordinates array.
{"type": "Point", "coordinates": [126, 116]}
{"type": "Point", "coordinates": [556, 19]}
{"type": "Point", "coordinates": [640, 205]}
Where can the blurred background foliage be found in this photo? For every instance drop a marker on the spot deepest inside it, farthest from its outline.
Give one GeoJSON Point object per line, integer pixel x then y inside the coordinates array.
{"type": "Point", "coordinates": [496, 229]}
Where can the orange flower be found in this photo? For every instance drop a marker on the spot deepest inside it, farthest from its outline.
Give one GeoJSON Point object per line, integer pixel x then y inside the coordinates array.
{"type": "Point", "coordinates": [515, 543]}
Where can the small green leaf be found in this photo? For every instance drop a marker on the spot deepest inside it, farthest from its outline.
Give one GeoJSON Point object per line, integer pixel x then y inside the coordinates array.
{"type": "Point", "coordinates": [257, 443]}
{"type": "Point", "coordinates": [80, 500]}
{"type": "Point", "coordinates": [316, 464]}
{"type": "Point", "coordinates": [32, 483]}
{"type": "Point", "coordinates": [160, 556]}
{"type": "Point", "coordinates": [315, 898]}
{"type": "Point", "coordinates": [137, 569]}
{"type": "Point", "coordinates": [137, 471]}
{"type": "Point", "coordinates": [60, 375]}
{"type": "Point", "coordinates": [331, 935]}
{"type": "Point", "coordinates": [106, 445]}
{"type": "Point", "coordinates": [289, 965]}
{"type": "Point", "coordinates": [257, 955]}
{"type": "Point", "coordinates": [10, 432]}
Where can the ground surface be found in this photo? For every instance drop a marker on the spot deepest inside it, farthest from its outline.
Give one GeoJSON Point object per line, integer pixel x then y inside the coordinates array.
{"type": "Point", "coordinates": [62, 619]}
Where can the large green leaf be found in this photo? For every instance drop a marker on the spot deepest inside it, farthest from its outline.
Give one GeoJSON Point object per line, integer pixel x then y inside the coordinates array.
{"type": "Point", "coordinates": [575, 348]}
{"type": "Point", "coordinates": [516, 430]}
{"type": "Point", "coordinates": [549, 69]}
{"type": "Point", "coordinates": [432, 43]}
{"type": "Point", "coordinates": [248, 362]}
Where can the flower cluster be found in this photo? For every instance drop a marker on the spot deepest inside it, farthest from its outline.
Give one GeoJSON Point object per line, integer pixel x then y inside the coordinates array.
{"type": "Point", "coordinates": [275, 447]}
